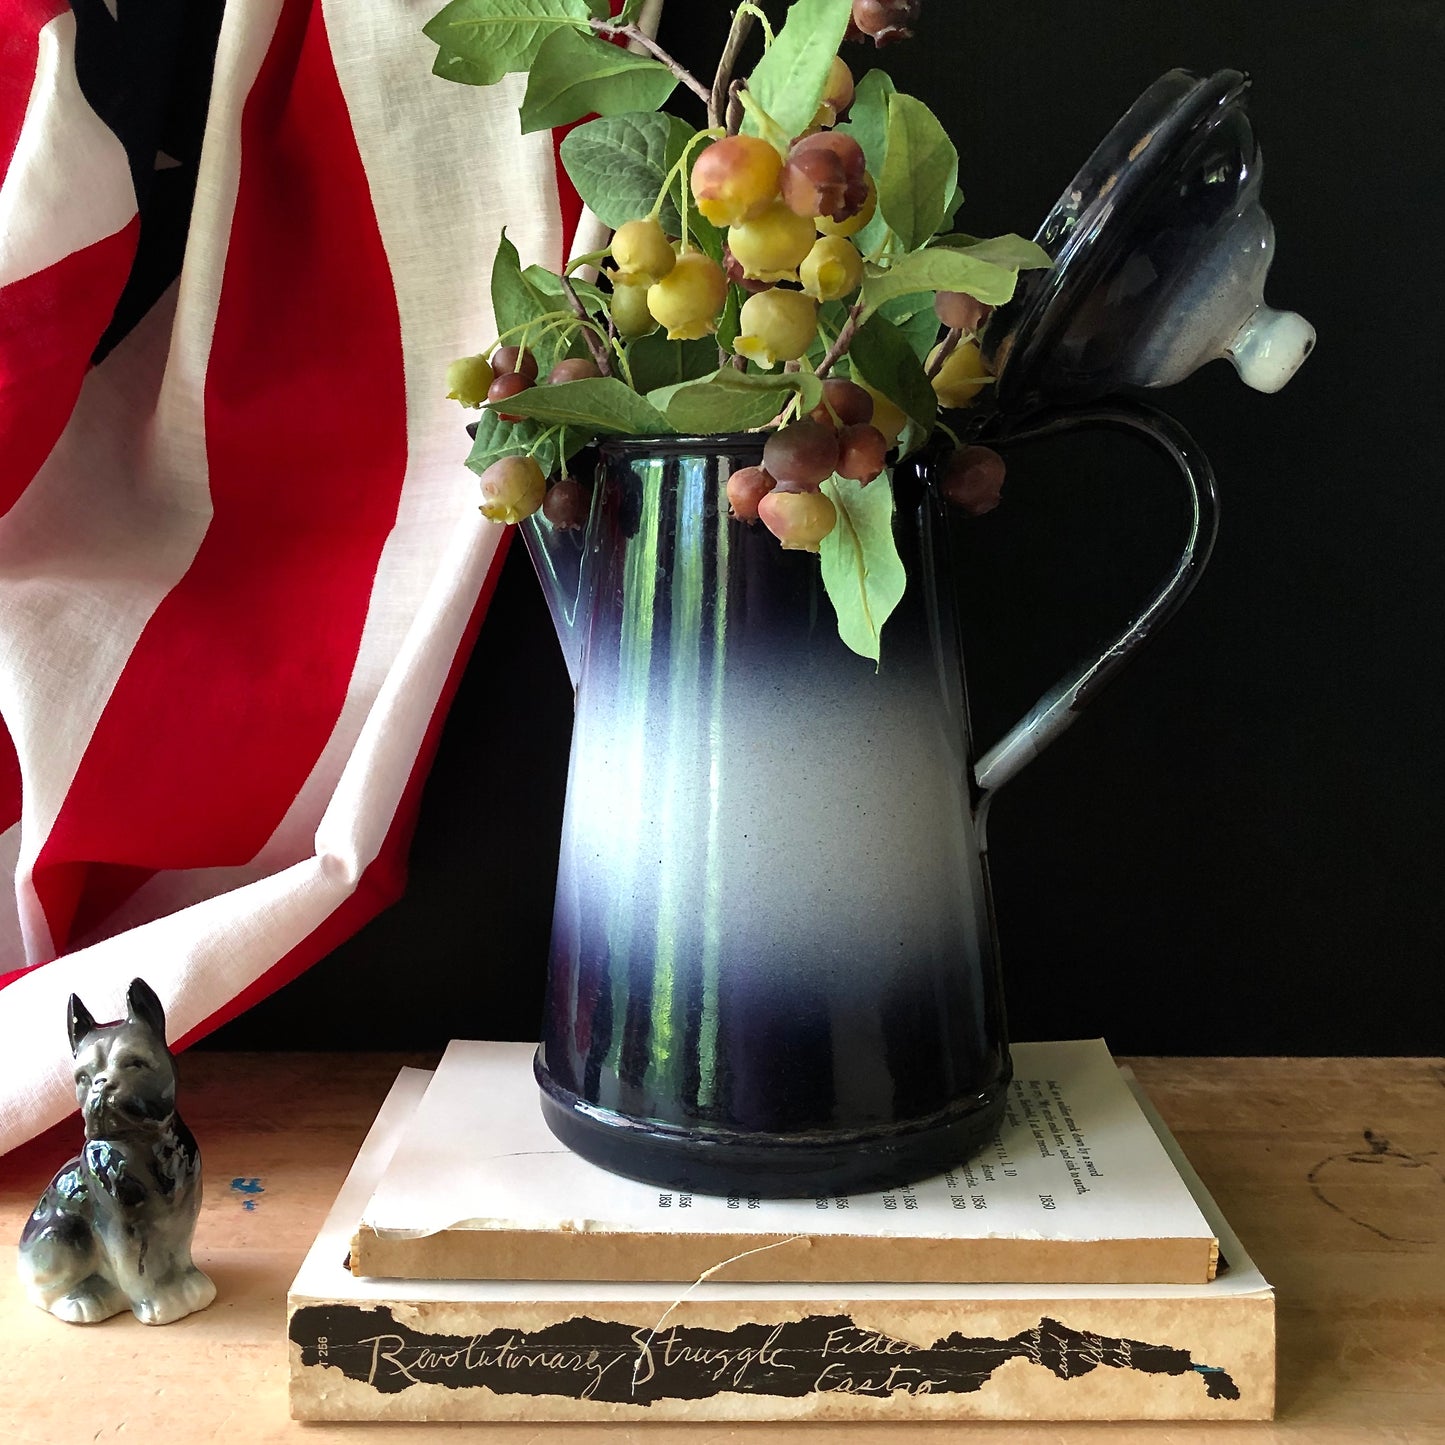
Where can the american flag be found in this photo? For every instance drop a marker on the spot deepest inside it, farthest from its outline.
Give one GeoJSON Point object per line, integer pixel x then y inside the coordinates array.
{"type": "Point", "coordinates": [241, 563]}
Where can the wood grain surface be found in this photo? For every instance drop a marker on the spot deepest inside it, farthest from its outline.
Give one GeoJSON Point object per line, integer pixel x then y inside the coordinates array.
{"type": "Point", "coordinates": [1331, 1170]}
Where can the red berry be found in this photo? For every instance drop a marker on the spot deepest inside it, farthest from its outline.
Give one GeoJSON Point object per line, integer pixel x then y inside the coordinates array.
{"type": "Point", "coordinates": [567, 504]}
{"type": "Point", "coordinates": [961, 311]}
{"type": "Point", "coordinates": [886, 20]}
{"type": "Point", "coordinates": [849, 402]}
{"type": "Point", "coordinates": [513, 359]}
{"type": "Point", "coordinates": [574, 368]}
{"type": "Point", "coordinates": [802, 455]}
{"type": "Point", "coordinates": [746, 488]}
{"type": "Point", "coordinates": [972, 478]}
{"type": "Point", "coordinates": [824, 176]}
{"type": "Point", "coordinates": [508, 384]}
{"type": "Point", "coordinates": [861, 452]}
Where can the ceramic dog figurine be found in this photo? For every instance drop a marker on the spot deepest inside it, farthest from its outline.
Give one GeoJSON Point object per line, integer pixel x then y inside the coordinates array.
{"type": "Point", "coordinates": [113, 1230]}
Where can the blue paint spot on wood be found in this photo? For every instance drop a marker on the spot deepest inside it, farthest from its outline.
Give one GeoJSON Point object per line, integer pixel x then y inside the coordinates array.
{"type": "Point", "coordinates": [248, 1189]}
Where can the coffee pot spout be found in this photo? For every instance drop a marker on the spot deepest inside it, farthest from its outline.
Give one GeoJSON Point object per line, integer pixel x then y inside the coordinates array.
{"type": "Point", "coordinates": [557, 554]}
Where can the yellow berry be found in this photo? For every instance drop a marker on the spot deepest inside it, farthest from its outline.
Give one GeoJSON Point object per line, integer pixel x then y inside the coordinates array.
{"type": "Point", "coordinates": [512, 488]}
{"type": "Point", "coordinates": [468, 378]}
{"type": "Point", "coordinates": [799, 520]}
{"type": "Point", "coordinates": [832, 270]}
{"type": "Point", "coordinates": [961, 377]}
{"type": "Point", "coordinates": [772, 245]}
{"type": "Point", "coordinates": [775, 326]}
{"type": "Point", "coordinates": [642, 251]}
{"type": "Point", "coordinates": [629, 311]}
{"type": "Point", "coordinates": [688, 300]}
{"type": "Point", "coordinates": [735, 178]}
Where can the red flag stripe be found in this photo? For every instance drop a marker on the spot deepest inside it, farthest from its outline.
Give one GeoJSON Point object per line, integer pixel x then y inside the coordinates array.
{"type": "Point", "coordinates": [273, 604]}
{"type": "Point", "coordinates": [383, 880]}
{"type": "Point", "coordinates": [21, 22]}
{"type": "Point", "coordinates": [49, 324]}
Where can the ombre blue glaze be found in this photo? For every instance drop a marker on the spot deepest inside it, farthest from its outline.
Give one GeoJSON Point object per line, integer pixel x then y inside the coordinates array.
{"type": "Point", "coordinates": [1161, 249]}
{"type": "Point", "coordinates": [773, 960]}
{"type": "Point", "coordinates": [773, 965]}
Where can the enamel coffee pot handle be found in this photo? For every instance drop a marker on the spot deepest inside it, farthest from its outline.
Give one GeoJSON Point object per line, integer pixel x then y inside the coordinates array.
{"type": "Point", "coordinates": [1062, 704]}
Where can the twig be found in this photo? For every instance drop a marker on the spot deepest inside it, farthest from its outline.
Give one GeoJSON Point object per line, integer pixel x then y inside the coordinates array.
{"type": "Point", "coordinates": [955, 335]}
{"type": "Point", "coordinates": [637, 36]}
{"type": "Point", "coordinates": [735, 108]}
{"type": "Point", "coordinates": [842, 341]}
{"type": "Point", "coordinates": [594, 344]}
{"type": "Point", "coordinates": [722, 81]}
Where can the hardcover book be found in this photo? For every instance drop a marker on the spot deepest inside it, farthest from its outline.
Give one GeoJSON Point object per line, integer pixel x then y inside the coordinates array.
{"type": "Point", "coordinates": [1076, 1188]}
{"type": "Point", "coordinates": [373, 1349]}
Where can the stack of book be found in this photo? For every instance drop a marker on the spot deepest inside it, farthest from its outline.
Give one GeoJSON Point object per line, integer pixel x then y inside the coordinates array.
{"type": "Point", "coordinates": [474, 1269]}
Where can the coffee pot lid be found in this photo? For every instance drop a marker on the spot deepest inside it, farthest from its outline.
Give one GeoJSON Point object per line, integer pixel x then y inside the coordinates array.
{"type": "Point", "coordinates": [1160, 249]}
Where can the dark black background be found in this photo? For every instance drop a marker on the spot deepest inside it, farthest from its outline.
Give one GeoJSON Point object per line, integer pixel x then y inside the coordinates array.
{"type": "Point", "coordinates": [1239, 849]}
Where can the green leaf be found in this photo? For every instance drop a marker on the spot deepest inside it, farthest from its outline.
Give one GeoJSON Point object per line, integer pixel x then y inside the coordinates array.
{"type": "Point", "coordinates": [550, 285]}
{"type": "Point", "coordinates": [730, 400]}
{"type": "Point", "coordinates": [882, 356]}
{"type": "Point", "coordinates": [655, 362]}
{"type": "Point", "coordinates": [619, 162]}
{"type": "Point", "coordinates": [594, 405]}
{"type": "Point", "coordinates": [789, 80]}
{"type": "Point", "coordinates": [868, 125]}
{"type": "Point", "coordinates": [515, 301]}
{"type": "Point", "coordinates": [496, 438]}
{"type": "Point", "coordinates": [941, 268]}
{"type": "Point", "coordinates": [495, 37]}
{"type": "Point", "coordinates": [576, 74]}
{"type": "Point", "coordinates": [1007, 250]}
{"type": "Point", "coordinates": [863, 574]}
{"type": "Point", "coordinates": [920, 171]}
{"type": "Point", "coordinates": [867, 119]}
{"type": "Point", "coordinates": [729, 324]}
{"type": "Point", "coordinates": [465, 71]}
{"type": "Point", "coordinates": [915, 317]}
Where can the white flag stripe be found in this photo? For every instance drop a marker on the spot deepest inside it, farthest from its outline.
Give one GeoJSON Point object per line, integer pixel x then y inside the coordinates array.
{"type": "Point", "coordinates": [68, 184]}
{"type": "Point", "coordinates": [115, 515]}
{"type": "Point", "coordinates": [398, 110]}
{"type": "Point", "coordinates": [194, 959]}
{"type": "Point", "coordinates": [85, 559]}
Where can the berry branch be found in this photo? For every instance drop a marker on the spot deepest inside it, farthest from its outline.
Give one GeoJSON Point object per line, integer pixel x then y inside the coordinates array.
{"type": "Point", "coordinates": [594, 344]}
{"type": "Point", "coordinates": [842, 341]}
{"type": "Point", "coordinates": [717, 105]}
{"type": "Point", "coordinates": [635, 35]}
{"type": "Point", "coordinates": [944, 350]}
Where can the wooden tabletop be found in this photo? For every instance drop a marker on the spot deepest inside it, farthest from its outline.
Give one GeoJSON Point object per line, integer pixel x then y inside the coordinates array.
{"type": "Point", "coordinates": [1332, 1171]}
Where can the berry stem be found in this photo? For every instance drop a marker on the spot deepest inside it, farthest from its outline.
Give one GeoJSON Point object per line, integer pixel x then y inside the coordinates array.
{"type": "Point", "coordinates": [842, 341]}
{"type": "Point", "coordinates": [595, 345]}
{"type": "Point", "coordinates": [592, 258]}
{"type": "Point", "coordinates": [677, 173]}
{"type": "Point", "coordinates": [743, 18]}
{"type": "Point", "coordinates": [637, 36]}
{"type": "Point", "coordinates": [950, 342]}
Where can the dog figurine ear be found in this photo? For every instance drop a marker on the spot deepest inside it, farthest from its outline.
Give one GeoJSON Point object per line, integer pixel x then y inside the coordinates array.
{"type": "Point", "coordinates": [78, 1022]}
{"type": "Point", "coordinates": [143, 1006]}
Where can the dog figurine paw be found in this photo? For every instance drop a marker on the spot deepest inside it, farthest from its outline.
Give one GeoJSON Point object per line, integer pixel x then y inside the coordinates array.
{"type": "Point", "coordinates": [113, 1230]}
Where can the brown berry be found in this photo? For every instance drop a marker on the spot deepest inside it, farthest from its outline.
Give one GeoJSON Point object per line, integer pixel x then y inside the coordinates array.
{"type": "Point", "coordinates": [567, 504]}
{"type": "Point", "coordinates": [508, 384]}
{"type": "Point", "coordinates": [972, 478]}
{"type": "Point", "coordinates": [746, 488]}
